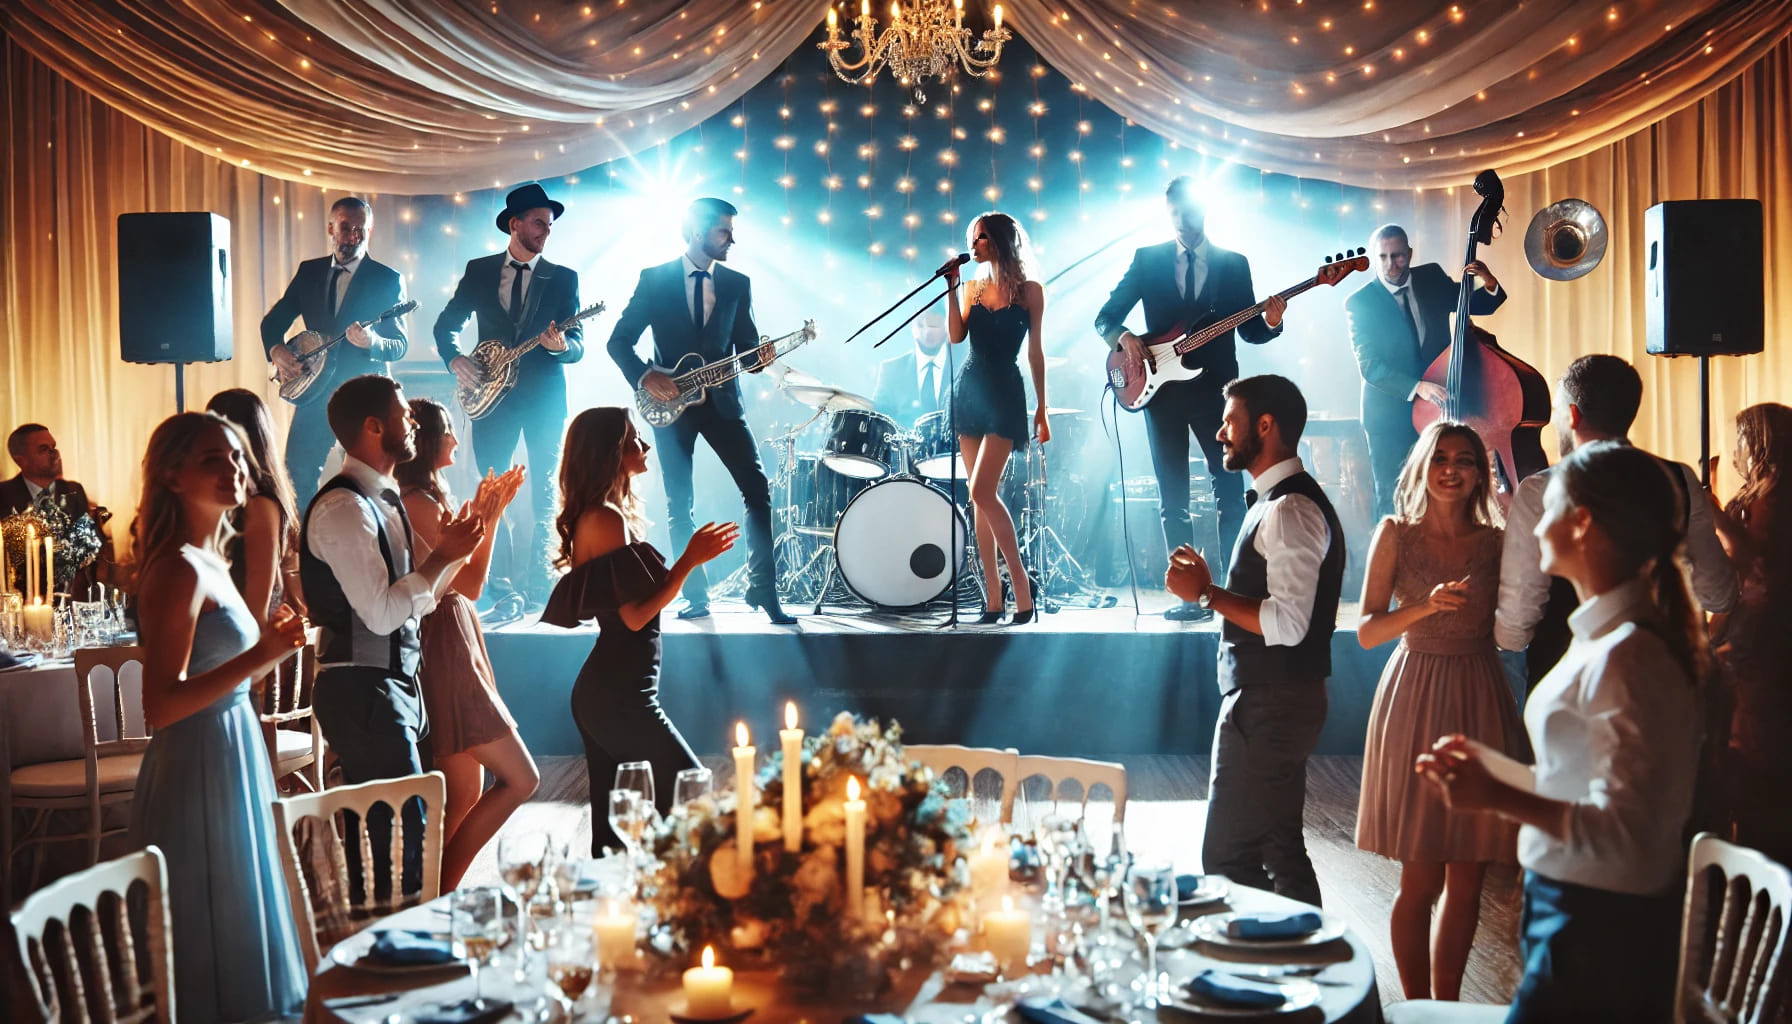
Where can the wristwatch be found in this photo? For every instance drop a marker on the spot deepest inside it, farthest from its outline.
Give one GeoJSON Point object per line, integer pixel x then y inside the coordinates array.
{"type": "Point", "coordinates": [1205, 599]}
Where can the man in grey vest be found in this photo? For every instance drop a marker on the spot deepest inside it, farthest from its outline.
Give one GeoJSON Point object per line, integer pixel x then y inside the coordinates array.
{"type": "Point", "coordinates": [368, 584]}
{"type": "Point", "coordinates": [1279, 608]}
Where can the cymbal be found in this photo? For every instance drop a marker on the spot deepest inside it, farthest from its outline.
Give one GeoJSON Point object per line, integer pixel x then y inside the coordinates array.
{"type": "Point", "coordinates": [828, 399]}
{"type": "Point", "coordinates": [789, 376]}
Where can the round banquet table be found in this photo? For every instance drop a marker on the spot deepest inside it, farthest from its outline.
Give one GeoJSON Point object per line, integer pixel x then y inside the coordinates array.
{"type": "Point", "coordinates": [1346, 983]}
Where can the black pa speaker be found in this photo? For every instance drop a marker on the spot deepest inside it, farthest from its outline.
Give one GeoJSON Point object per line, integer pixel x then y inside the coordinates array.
{"type": "Point", "coordinates": [1704, 292]}
{"type": "Point", "coordinates": [174, 288]}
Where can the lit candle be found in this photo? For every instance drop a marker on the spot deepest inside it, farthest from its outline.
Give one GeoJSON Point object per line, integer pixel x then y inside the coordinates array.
{"type": "Point", "coordinates": [615, 931]}
{"type": "Point", "coordinates": [855, 850]}
{"type": "Point", "coordinates": [1008, 933]}
{"type": "Point", "coordinates": [998, 17]}
{"type": "Point", "coordinates": [40, 621]}
{"type": "Point", "coordinates": [864, 10]}
{"type": "Point", "coordinates": [791, 738]}
{"type": "Point", "coordinates": [833, 20]}
{"type": "Point", "coordinates": [30, 562]}
{"type": "Point", "coordinates": [708, 990]}
{"type": "Point", "coordinates": [895, 12]}
{"type": "Point", "coordinates": [989, 865]}
{"type": "Point", "coordinates": [49, 569]}
{"type": "Point", "coordinates": [743, 798]}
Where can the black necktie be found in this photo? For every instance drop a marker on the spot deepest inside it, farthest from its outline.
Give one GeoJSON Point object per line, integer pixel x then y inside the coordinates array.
{"type": "Point", "coordinates": [930, 398]}
{"type": "Point", "coordinates": [1412, 314]}
{"type": "Point", "coordinates": [516, 290]}
{"type": "Point", "coordinates": [1250, 497]}
{"type": "Point", "coordinates": [697, 302]}
{"type": "Point", "coordinates": [1188, 279]}
{"type": "Point", "coordinates": [336, 276]}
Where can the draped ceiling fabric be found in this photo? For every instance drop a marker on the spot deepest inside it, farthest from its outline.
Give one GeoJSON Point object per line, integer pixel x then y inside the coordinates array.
{"type": "Point", "coordinates": [435, 96]}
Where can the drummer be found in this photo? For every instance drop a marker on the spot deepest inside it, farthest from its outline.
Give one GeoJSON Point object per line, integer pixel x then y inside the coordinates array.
{"type": "Point", "coordinates": [913, 384]}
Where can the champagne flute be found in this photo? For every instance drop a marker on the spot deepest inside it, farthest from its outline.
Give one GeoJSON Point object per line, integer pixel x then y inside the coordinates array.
{"type": "Point", "coordinates": [522, 863]}
{"type": "Point", "coordinates": [1056, 834]}
{"type": "Point", "coordinates": [628, 819]}
{"type": "Point", "coordinates": [1101, 866]}
{"type": "Point", "coordinates": [1150, 890]}
{"type": "Point", "coordinates": [477, 923]}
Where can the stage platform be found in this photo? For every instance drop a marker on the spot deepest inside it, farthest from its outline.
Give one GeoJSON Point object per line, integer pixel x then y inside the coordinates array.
{"type": "Point", "coordinates": [1081, 681]}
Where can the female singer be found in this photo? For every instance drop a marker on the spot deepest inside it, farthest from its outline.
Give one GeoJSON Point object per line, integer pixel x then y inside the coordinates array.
{"type": "Point", "coordinates": [989, 403]}
{"type": "Point", "coordinates": [264, 553]}
{"type": "Point", "coordinates": [1439, 557]}
{"type": "Point", "coordinates": [1616, 728]}
{"type": "Point", "coordinates": [205, 792]}
{"type": "Point", "coordinates": [619, 579]}
{"type": "Point", "coordinates": [470, 729]}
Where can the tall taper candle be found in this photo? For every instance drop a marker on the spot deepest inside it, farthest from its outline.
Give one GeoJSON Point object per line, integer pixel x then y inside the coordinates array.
{"type": "Point", "coordinates": [49, 571]}
{"type": "Point", "coordinates": [5, 587]}
{"type": "Point", "coordinates": [30, 563]}
{"type": "Point", "coordinates": [744, 801]}
{"type": "Point", "coordinates": [791, 739]}
{"type": "Point", "coordinates": [855, 851]}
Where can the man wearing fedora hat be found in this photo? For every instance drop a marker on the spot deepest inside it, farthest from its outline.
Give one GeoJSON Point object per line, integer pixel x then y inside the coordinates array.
{"type": "Point", "coordinates": [516, 295]}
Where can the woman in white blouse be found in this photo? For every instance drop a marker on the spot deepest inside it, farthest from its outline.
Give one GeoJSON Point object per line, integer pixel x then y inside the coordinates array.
{"type": "Point", "coordinates": [1616, 729]}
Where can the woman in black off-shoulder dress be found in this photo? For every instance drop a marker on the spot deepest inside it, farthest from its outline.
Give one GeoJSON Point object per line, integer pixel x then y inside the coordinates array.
{"type": "Point", "coordinates": [620, 580]}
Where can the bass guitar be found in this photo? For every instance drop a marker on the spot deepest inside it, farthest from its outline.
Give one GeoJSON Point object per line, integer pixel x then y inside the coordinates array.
{"type": "Point", "coordinates": [311, 349]}
{"type": "Point", "coordinates": [1501, 396]}
{"type": "Point", "coordinates": [498, 368]}
{"type": "Point", "coordinates": [1163, 352]}
{"type": "Point", "coordinates": [694, 381]}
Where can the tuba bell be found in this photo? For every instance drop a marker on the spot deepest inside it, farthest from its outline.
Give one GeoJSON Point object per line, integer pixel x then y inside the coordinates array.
{"type": "Point", "coordinates": [1566, 240]}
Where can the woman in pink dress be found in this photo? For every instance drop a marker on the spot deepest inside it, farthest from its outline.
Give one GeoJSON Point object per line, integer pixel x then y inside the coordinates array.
{"type": "Point", "coordinates": [470, 730]}
{"type": "Point", "coordinates": [1437, 562]}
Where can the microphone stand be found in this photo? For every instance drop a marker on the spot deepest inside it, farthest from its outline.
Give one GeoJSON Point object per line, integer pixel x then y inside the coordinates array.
{"type": "Point", "coordinates": [912, 293]}
{"type": "Point", "coordinates": [911, 319]}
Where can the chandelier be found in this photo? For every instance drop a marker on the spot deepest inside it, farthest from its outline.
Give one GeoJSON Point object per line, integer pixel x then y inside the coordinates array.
{"type": "Point", "coordinates": [925, 40]}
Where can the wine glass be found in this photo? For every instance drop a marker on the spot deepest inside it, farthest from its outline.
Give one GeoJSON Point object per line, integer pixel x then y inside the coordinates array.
{"type": "Point", "coordinates": [1150, 891]}
{"type": "Point", "coordinates": [572, 959]}
{"type": "Point", "coordinates": [477, 924]}
{"type": "Point", "coordinates": [522, 863]}
{"type": "Point", "coordinates": [692, 786]}
{"type": "Point", "coordinates": [1100, 865]}
{"type": "Point", "coordinates": [629, 814]}
{"type": "Point", "coordinates": [1056, 834]}
{"type": "Point", "coordinates": [638, 776]}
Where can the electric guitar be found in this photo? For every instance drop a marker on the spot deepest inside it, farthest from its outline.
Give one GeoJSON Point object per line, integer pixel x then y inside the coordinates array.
{"type": "Point", "coordinates": [1164, 352]}
{"type": "Point", "coordinates": [498, 370]}
{"type": "Point", "coordinates": [694, 381]}
{"type": "Point", "coordinates": [311, 350]}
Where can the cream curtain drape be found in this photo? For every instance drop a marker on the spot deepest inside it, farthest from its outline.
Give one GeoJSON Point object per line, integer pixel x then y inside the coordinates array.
{"type": "Point", "coordinates": [434, 96]}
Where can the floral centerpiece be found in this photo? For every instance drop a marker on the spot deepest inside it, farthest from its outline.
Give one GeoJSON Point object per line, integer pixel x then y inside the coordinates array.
{"type": "Point", "coordinates": [75, 540]}
{"type": "Point", "coordinates": [790, 909]}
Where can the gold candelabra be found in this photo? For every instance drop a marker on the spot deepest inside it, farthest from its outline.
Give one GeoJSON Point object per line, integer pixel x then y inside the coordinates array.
{"type": "Point", "coordinates": [926, 40]}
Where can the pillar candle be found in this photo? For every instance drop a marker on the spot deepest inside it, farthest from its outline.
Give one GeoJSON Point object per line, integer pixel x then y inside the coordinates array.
{"type": "Point", "coordinates": [1008, 933]}
{"type": "Point", "coordinates": [615, 931]}
{"type": "Point", "coordinates": [743, 798]}
{"type": "Point", "coordinates": [39, 621]}
{"type": "Point", "coordinates": [791, 739]}
{"type": "Point", "coordinates": [708, 990]}
{"type": "Point", "coordinates": [855, 850]}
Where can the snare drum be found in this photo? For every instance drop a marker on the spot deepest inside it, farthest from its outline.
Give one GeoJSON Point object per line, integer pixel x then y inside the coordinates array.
{"type": "Point", "coordinates": [899, 543]}
{"type": "Point", "coordinates": [935, 447]}
{"type": "Point", "coordinates": [861, 444]}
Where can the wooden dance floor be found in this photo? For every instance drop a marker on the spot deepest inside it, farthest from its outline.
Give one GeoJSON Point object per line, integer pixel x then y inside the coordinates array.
{"type": "Point", "coordinates": [1164, 814]}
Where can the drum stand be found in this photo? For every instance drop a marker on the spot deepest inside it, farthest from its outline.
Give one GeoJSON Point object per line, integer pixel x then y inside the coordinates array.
{"type": "Point", "coordinates": [1062, 579]}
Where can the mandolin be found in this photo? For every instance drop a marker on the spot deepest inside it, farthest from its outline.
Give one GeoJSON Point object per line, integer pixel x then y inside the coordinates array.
{"type": "Point", "coordinates": [312, 351]}
{"type": "Point", "coordinates": [498, 368]}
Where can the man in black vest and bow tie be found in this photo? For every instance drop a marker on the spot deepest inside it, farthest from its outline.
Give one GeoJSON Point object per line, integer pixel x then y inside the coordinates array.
{"type": "Point", "coordinates": [1400, 324]}
{"type": "Point", "coordinates": [1280, 608]}
{"type": "Point", "coordinates": [1189, 281]}
{"type": "Point", "coordinates": [694, 304]}
{"type": "Point", "coordinates": [914, 383]}
{"type": "Point", "coordinates": [516, 294]}
{"type": "Point", "coordinates": [342, 291]}
{"type": "Point", "coordinates": [368, 583]}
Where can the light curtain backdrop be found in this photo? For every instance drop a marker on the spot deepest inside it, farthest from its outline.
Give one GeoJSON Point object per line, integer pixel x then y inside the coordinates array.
{"type": "Point", "coordinates": [74, 161]}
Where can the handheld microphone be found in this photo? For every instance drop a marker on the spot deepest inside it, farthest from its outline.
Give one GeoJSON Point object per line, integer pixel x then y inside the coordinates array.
{"type": "Point", "coordinates": [957, 261]}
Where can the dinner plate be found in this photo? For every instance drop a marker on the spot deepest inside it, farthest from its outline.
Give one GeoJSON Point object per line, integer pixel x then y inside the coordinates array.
{"type": "Point", "coordinates": [1212, 928]}
{"type": "Point", "coordinates": [1211, 889]}
{"type": "Point", "coordinates": [1297, 994]}
{"type": "Point", "coordinates": [352, 953]}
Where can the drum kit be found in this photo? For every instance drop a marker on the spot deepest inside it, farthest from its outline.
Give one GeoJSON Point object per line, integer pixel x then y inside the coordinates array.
{"type": "Point", "coordinates": [880, 516]}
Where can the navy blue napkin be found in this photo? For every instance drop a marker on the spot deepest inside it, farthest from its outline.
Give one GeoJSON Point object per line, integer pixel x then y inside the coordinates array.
{"type": "Point", "coordinates": [876, 1018]}
{"type": "Point", "coordinates": [466, 1012]}
{"type": "Point", "coordinates": [16, 659]}
{"type": "Point", "coordinates": [1274, 926]}
{"type": "Point", "coordinates": [1231, 990]}
{"type": "Point", "coordinates": [397, 948]}
{"type": "Point", "coordinates": [1186, 886]}
{"type": "Point", "coordinates": [1043, 1010]}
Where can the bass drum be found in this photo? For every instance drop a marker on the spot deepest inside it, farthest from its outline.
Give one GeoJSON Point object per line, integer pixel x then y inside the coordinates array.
{"type": "Point", "coordinates": [892, 542]}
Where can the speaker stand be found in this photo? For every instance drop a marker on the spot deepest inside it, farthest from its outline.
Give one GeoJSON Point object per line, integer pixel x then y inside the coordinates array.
{"type": "Point", "coordinates": [1705, 421]}
{"type": "Point", "coordinates": [180, 387]}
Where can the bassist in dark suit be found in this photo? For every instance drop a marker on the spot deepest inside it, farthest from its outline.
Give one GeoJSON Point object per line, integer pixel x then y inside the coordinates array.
{"type": "Point", "coordinates": [1189, 281]}
{"type": "Point", "coordinates": [1399, 324]}
{"type": "Point", "coordinates": [695, 304]}
{"type": "Point", "coordinates": [345, 289]}
{"type": "Point", "coordinates": [517, 294]}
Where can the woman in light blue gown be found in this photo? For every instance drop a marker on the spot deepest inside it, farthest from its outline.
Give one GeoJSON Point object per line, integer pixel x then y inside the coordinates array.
{"type": "Point", "coordinates": [204, 793]}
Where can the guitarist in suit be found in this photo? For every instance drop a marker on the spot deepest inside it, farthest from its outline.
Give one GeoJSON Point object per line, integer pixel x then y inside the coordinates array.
{"type": "Point", "coordinates": [1399, 324]}
{"type": "Point", "coordinates": [913, 384]}
{"type": "Point", "coordinates": [1189, 281]}
{"type": "Point", "coordinates": [517, 294]}
{"type": "Point", "coordinates": [695, 304]}
{"type": "Point", "coordinates": [344, 290]}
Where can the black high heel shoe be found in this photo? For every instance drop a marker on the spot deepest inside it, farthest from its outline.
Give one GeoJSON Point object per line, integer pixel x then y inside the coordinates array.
{"type": "Point", "coordinates": [990, 618]}
{"type": "Point", "coordinates": [1022, 618]}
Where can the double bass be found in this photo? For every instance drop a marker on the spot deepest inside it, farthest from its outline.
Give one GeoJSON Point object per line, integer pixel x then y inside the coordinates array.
{"type": "Point", "coordinates": [1501, 396]}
